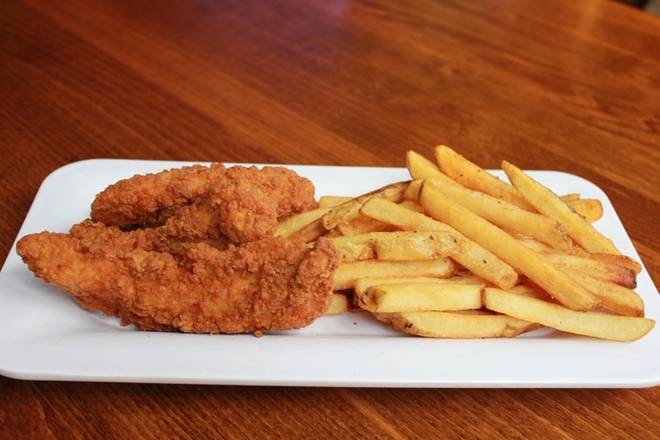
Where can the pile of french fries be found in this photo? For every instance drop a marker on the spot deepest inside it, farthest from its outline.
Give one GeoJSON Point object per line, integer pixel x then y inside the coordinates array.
{"type": "Point", "coordinates": [458, 253]}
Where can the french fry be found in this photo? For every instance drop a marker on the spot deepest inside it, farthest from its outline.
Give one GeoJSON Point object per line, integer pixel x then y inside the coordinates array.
{"type": "Point", "coordinates": [332, 201]}
{"type": "Point", "coordinates": [412, 190]}
{"type": "Point", "coordinates": [362, 225]}
{"type": "Point", "coordinates": [310, 232]}
{"type": "Point", "coordinates": [295, 223]}
{"type": "Point", "coordinates": [616, 268]}
{"type": "Point", "coordinates": [507, 215]}
{"type": "Point", "coordinates": [401, 216]}
{"type": "Point", "coordinates": [362, 284]}
{"type": "Point", "coordinates": [594, 324]}
{"type": "Point", "coordinates": [355, 247]}
{"type": "Point", "coordinates": [532, 291]}
{"type": "Point", "coordinates": [594, 268]}
{"type": "Point", "coordinates": [350, 209]}
{"type": "Point", "coordinates": [615, 298]}
{"type": "Point", "coordinates": [534, 245]}
{"type": "Point", "coordinates": [466, 277]}
{"type": "Point", "coordinates": [348, 273]}
{"type": "Point", "coordinates": [548, 203]}
{"type": "Point", "coordinates": [339, 303]}
{"type": "Point", "coordinates": [514, 253]}
{"type": "Point", "coordinates": [570, 197]}
{"type": "Point", "coordinates": [389, 298]}
{"type": "Point", "coordinates": [481, 312]}
{"type": "Point", "coordinates": [469, 254]}
{"type": "Point", "coordinates": [474, 177]}
{"type": "Point", "coordinates": [420, 167]}
{"type": "Point", "coordinates": [402, 246]}
{"type": "Point", "coordinates": [394, 246]}
{"type": "Point", "coordinates": [346, 212]}
{"type": "Point", "coordinates": [589, 209]}
{"type": "Point", "coordinates": [619, 260]}
{"type": "Point", "coordinates": [461, 325]}
{"type": "Point", "coordinates": [412, 205]}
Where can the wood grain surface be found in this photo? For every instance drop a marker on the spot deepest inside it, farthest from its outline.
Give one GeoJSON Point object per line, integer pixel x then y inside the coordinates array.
{"type": "Point", "coordinates": [563, 85]}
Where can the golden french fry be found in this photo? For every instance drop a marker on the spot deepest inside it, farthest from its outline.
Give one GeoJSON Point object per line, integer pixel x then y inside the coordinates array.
{"type": "Point", "coordinates": [506, 215]}
{"type": "Point", "coordinates": [350, 209]}
{"type": "Point", "coordinates": [345, 213]}
{"type": "Point", "coordinates": [295, 223]}
{"type": "Point", "coordinates": [482, 312]}
{"type": "Point", "coordinates": [412, 205]}
{"type": "Point", "coordinates": [528, 262]}
{"type": "Point", "coordinates": [534, 245]}
{"type": "Point", "coordinates": [466, 277]}
{"type": "Point", "coordinates": [590, 209]}
{"type": "Point", "coordinates": [533, 291]}
{"type": "Point", "coordinates": [339, 303]}
{"type": "Point", "coordinates": [389, 298]}
{"type": "Point", "coordinates": [615, 298]}
{"type": "Point", "coordinates": [461, 325]}
{"type": "Point", "coordinates": [474, 177]}
{"type": "Point", "coordinates": [548, 203]}
{"type": "Point", "coordinates": [348, 273]}
{"type": "Point", "coordinates": [362, 225]}
{"type": "Point", "coordinates": [619, 260]}
{"type": "Point", "coordinates": [622, 261]}
{"type": "Point", "coordinates": [362, 284]}
{"type": "Point", "coordinates": [570, 197]}
{"type": "Point", "coordinates": [401, 217]}
{"type": "Point", "coordinates": [402, 246]}
{"type": "Point", "coordinates": [332, 201]}
{"type": "Point", "coordinates": [594, 324]}
{"type": "Point", "coordinates": [355, 247]}
{"type": "Point", "coordinates": [616, 268]}
{"type": "Point", "coordinates": [412, 190]}
{"type": "Point", "coordinates": [310, 232]}
{"type": "Point", "coordinates": [422, 168]}
{"type": "Point", "coordinates": [594, 268]}
{"type": "Point", "coordinates": [469, 254]}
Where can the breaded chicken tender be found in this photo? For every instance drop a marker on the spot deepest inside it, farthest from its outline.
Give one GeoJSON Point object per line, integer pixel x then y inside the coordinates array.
{"type": "Point", "coordinates": [148, 200]}
{"type": "Point", "coordinates": [197, 203]}
{"type": "Point", "coordinates": [157, 284]}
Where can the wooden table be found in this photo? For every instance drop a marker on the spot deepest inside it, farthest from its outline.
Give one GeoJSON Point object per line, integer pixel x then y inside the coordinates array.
{"type": "Point", "coordinates": [563, 85]}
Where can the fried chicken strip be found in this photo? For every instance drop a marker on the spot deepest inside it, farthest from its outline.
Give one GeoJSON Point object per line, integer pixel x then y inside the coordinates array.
{"type": "Point", "coordinates": [148, 200]}
{"type": "Point", "coordinates": [270, 284]}
{"type": "Point", "coordinates": [197, 203]}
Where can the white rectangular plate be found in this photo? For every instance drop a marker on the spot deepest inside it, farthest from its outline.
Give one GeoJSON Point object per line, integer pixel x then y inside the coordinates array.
{"type": "Point", "coordinates": [45, 335]}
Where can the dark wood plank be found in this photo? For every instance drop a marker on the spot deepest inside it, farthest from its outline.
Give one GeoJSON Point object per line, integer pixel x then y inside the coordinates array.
{"type": "Point", "coordinates": [547, 85]}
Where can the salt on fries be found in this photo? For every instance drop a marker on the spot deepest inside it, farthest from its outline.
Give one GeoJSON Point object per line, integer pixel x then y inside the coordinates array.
{"type": "Point", "coordinates": [459, 253]}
